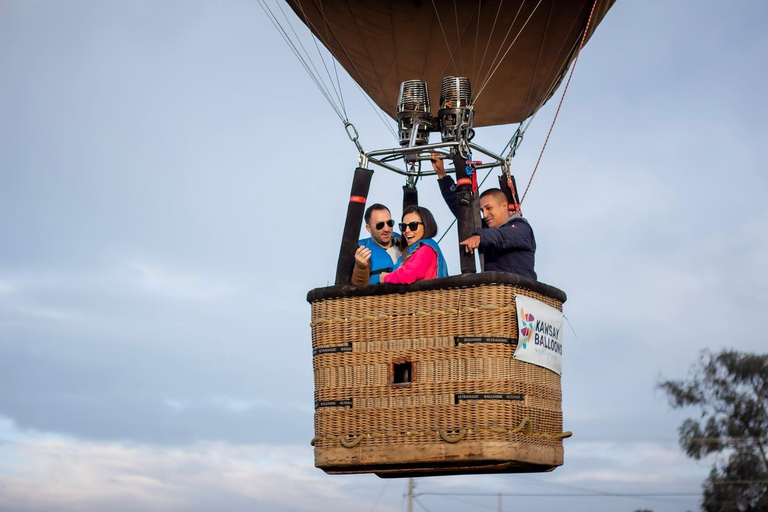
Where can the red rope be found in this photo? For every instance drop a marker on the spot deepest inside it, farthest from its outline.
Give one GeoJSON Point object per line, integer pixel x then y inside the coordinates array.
{"type": "Point", "coordinates": [573, 68]}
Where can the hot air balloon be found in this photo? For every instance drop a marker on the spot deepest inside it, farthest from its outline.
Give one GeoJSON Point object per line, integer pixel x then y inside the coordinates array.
{"type": "Point", "coordinates": [444, 376]}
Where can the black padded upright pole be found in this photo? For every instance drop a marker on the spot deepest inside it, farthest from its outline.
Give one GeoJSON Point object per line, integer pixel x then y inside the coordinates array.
{"type": "Point", "coordinates": [361, 183]}
{"type": "Point", "coordinates": [465, 213]}
{"type": "Point", "coordinates": [508, 185]}
{"type": "Point", "coordinates": [504, 186]}
{"type": "Point", "coordinates": [410, 196]}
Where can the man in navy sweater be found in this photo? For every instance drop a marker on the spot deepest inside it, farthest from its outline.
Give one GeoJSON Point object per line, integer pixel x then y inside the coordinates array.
{"type": "Point", "coordinates": [506, 238]}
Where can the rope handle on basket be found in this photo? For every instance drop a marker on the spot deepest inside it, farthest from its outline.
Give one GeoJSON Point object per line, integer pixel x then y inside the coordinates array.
{"type": "Point", "coordinates": [452, 439]}
{"type": "Point", "coordinates": [525, 427]}
{"type": "Point", "coordinates": [350, 444]}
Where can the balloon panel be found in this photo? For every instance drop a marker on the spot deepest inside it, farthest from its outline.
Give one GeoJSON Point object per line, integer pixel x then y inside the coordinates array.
{"type": "Point", "coordinates": [515, 52]}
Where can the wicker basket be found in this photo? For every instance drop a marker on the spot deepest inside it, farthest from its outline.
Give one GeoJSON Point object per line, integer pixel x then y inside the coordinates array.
{"type": "Point", "coordinates": [420, 380]}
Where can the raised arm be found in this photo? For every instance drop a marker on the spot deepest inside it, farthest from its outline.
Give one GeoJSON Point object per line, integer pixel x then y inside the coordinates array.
{"type": "Point", "coordinates": [447, 185]}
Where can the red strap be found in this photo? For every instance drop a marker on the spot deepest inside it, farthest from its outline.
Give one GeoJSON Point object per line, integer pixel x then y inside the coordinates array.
{"type": "Point", "coordinates": [464, 181]}
{"type": "Point", "coordinates": [357, 199]}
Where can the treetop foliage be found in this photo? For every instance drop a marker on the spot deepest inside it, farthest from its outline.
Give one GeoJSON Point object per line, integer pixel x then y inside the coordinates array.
{"type": "Point", "coordinates": [730, 389]}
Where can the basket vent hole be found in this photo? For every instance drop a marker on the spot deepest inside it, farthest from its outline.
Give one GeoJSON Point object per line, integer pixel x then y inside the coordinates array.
{"type": "Point", "coordinates": [403, 373]}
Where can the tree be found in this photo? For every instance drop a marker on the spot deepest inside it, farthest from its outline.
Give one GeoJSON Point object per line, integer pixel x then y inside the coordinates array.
{"type": "Point", "coordinates": [731, 390]}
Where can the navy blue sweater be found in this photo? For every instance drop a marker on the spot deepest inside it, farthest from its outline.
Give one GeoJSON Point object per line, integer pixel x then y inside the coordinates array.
{"type": "Point", "coordinates": [509, 248]}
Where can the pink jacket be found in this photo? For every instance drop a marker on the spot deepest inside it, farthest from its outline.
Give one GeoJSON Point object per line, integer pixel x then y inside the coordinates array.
{"type": "Point", "coordinates": [421, 265]}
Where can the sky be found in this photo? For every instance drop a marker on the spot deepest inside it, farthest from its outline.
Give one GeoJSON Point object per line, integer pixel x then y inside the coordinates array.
{"type": "Point", "coordinates": [172, 184]}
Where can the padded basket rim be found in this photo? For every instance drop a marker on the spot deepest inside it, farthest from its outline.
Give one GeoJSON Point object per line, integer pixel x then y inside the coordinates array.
{"type": "Point", "coordinates": [444, 283]}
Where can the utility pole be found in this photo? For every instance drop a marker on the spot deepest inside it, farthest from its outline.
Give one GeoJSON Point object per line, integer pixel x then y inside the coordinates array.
{"type": "Point", "coordinates": [499, 502]}
{"type": "Point", "coordinates": [410, 494]}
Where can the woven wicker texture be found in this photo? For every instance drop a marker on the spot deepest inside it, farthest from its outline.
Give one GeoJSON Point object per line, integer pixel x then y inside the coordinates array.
{"type": "Point", "coordinates": [421, 328]}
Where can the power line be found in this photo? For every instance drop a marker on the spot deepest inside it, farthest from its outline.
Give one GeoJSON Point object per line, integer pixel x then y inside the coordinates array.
{"type": "Point", "coordinates": [375, 503]}
{"type": "Point", "coordinates": [596, 494]}
{"type": "Point", "coordinates": [474, 504]}
{"type": "Point", "coordinates": [419, 503]}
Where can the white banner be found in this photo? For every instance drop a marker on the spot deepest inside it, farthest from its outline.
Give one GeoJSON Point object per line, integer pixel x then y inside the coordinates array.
{"type": "Point", "coordinates": [540, 334]}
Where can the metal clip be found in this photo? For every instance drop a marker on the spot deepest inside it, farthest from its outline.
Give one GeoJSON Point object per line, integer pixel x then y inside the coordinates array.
{"type": "Point", "coordinates": [463, 148]}
{"type": "Point", "coordinates": [354, 138]}
{"type": "Point", "coordinates": [517, 139]}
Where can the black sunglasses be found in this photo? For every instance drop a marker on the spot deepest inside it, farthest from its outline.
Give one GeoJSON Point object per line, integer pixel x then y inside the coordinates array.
{"type": "Point", "coordinates": [380, 225]}
{"type": "Point", "coordinates": [413, 226]}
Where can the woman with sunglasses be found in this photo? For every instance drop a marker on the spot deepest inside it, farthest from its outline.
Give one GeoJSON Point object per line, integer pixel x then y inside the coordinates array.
{"type": "Point", "coordinates": [422, 258]}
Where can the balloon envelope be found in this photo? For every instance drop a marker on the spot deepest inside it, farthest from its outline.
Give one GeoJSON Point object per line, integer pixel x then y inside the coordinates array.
{"type": "Point", "coordinates": [515, 52]}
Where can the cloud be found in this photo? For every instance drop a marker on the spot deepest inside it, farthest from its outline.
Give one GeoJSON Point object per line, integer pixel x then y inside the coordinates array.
{"type": "Point", "coordinates": [136, 351]}
{"type": "Point", "coordinates": [67, 475]}
{"type": "Point", "coordinates": [64, 474]}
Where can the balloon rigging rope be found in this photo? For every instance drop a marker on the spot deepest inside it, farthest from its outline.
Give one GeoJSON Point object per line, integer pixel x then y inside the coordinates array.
{"type": "Point", "coordinates": [394, 43]}
{"type": "Point", "coordinates": [503, 41]}
{"type": "Point", "coordinates": [367, 51]}
{"type": "Point", "coordinates": [458, 33]}
{"type": "Point", "coordinates": [336, 90]}
{"type": "Point", "coordinates": [548, 95]}
{"type": "Point", "coordinates": [493, 71]}
{"type": "Point", "coordinates": [378, 112]}
{"type": "Point", "coordinates": [445, 38]}
{"type": "Point", "coordinates": [337, 106]}
{"type": "Point", "coordinates": [560, 104]}
{"type": "Point", "coordinates": [307, 63]}
{"type": "Point", "coordinates": [314, 76]}
{"type": "Point", "coordinates": [338, 39]}
{"type": "Point", "coordinates": [460, 36]}
{"type": "Point", "coordinates": [560, 73]}
{"type": "Point", "coordinates": [333, 60]}
{"type": "Point", "coordinates": [490, 36]}
{"type": "Point", "coordinates": [477, 37]}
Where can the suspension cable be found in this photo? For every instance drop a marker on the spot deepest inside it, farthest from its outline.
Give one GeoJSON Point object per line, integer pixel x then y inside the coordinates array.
{"type": "Point", "coordinates": [503, 41]}
{"type": "Point", "coordinates": [553, 85]}
{"type": "Point", "coordinates": [336, 90]}
{"type": "Point", "coordinates": [294, 48]}
{"type": "Point", "coordinates": [458, 32]}
{"type": "Point", "coordinates": [565, 90]}
{"type": "Point", "coordinates": [378, 112]}
{"type": "Point", "coordinates": [488, 42]}
{"type": "Point", "coordinates": [333, 59]}
{"type": "Point", "coordinates": [316, 75]}
{"type": "Point", "coordinates": [493, 72]}
{"type": "Point", "coordinates": [445, 37]}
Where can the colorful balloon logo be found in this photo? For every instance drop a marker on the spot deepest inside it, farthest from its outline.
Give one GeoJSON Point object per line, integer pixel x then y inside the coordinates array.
{"type": "Point", "coordinates": [526, 329]}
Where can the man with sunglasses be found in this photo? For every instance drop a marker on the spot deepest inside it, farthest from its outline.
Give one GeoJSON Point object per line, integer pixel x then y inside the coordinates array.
{"type": "Point", "coordinates": [506, 238]}
{"type": "Point", "coordinates": [380, 251]}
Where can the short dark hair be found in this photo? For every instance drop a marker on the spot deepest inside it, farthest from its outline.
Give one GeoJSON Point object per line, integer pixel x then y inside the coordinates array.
{"type": "Point", "coordinates": [497, 193]}
{"type": "Point", "coordinates": [430, 226]}
{"type": "Point", "coordinates": [374, 206]}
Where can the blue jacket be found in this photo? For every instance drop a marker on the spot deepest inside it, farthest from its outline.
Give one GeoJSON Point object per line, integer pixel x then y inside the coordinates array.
{"type": "Point", "coordinates": [509, 248]}
{"type": "Point", "coordinates": [442, 266]}
{"type": "Point", "coordinates": [380, 259]}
